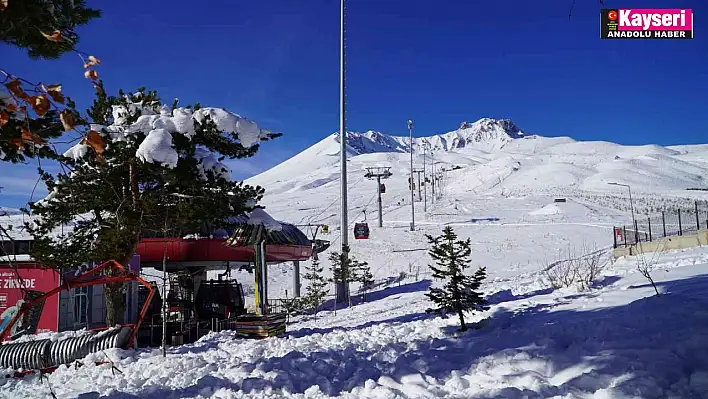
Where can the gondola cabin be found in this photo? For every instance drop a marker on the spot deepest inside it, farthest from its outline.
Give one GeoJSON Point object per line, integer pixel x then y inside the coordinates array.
{"type": "Point", "coordinates": [361, 231]}
{"type": "Point", "coordinates": [382, 188]}
{"type": "Point", "coordinates": [325, 229]}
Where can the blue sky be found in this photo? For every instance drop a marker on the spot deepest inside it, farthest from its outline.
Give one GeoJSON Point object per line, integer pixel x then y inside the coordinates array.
{"type": "Point", "coordinates": [438, 63]}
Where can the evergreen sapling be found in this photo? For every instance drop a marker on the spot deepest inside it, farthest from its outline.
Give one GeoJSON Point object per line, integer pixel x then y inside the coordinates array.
{"type": "Point", "coordinates": [316, 290]}
{"type": "Point", "coordinates": [366, 279]}
{"type": "Point", "coordinates": [345, 271]}
{"type": "Point", "coordinates": [459, 293]}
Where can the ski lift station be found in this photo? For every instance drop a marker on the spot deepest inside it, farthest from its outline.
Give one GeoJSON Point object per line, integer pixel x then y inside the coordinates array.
{"type": "Point", "coordinates": [34, 298]}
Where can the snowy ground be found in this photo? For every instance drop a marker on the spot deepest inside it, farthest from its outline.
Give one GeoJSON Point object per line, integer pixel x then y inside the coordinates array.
{"type": "Point", "coordinates": [617, 340]}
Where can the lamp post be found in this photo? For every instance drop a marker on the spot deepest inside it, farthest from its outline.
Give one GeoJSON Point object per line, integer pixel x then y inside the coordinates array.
{"type": "Point", "coordinates": [631, 207]}
{"type": "Point", "coordinates": [410, 132]}
{"type": "Point", "coordinates": [425, 185]}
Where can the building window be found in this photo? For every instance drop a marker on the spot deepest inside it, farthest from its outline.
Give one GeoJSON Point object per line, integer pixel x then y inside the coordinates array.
{"type": "Point", "coordinates": [80, 299]}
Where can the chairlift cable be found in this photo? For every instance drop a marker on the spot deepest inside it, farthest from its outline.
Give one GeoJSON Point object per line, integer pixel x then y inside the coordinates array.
{"type": "Point", "coordinates": [330, 205]}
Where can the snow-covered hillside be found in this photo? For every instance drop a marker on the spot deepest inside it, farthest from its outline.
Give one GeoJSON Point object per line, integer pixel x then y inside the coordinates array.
{"type": "Point", "coordinates": [615, 340]}
{"type": "Point", "coordinates": [498, 188]}
{"type": "Point", "coordinates": [494, 157]}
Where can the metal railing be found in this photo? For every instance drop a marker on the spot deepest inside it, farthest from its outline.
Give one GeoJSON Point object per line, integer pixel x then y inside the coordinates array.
{"type": "Point", "coordinates": [672, 222]}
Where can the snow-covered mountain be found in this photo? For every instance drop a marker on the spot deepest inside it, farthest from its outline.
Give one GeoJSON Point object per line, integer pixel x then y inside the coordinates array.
{"type": "Point", "coordinates": [485, 134]}
{"type": "Point", "coordinates": [493, 155]}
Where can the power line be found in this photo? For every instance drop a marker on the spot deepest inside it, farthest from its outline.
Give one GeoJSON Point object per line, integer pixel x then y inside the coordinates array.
{"type": "Point", "coordinates": [330, 205]}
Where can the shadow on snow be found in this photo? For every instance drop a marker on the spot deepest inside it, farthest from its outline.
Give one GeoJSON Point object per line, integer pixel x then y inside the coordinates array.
{"type": "Point", "coordinates": [636, 349]}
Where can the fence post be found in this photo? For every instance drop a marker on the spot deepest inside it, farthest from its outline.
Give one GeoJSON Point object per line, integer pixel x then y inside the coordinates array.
{"type": "Point", "coordinates": [663, 221]}
{"type": "Point", "coordinates": [680, 227]}
{"type": "Point", "coordinates": [636, 232]}
{"type": "Point", "coordinates": [698, 223]}
{"type": "Point", "coordinates": [624, 234]}
{"type": "Point", "coordinates": [614, 236]}
{"type": "Point", "coordinates": [649, 220]}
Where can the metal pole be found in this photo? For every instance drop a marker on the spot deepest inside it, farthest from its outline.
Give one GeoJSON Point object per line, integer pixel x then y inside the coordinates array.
{"type": "Point", "coordinates": [663, 221]}
{"type": "Point", "coordinates": [164, 302]}
{"type": "Point", "coordinates": [378, 191]}
{"type": "Point", "coordinates": [164, 289]}
{"type": "Point", "coordinates": [296, 278]}
{"type": "Point", "coordinates": [679, 217]}
{"type": "Point", "coordinates": [420, 195]}
{"type": "Point", "coordinates": [425, 187]}
{"type": "Point", "coordinates": [342, 288]}
{"type": "Point", "coordinates": [631, 205]}
{"type": "Point", "coordinates": [698, 222]}
{"type": "Point", "coordinates": [432, 159]}
{"type": "Point", "coordinates": [410, 132]}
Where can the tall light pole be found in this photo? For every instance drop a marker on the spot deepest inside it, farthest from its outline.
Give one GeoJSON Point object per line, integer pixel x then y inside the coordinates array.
{"type": "Point", "coordinates": [631, 207]}
{"type": "Point", "coordinates": [342, 287]}
{"type": "Point", "coordinates": [432, 161]}
{"type": "Point", "coordinates": [425, 186]}
{"type": "Point", "coordinates": [410, 132]}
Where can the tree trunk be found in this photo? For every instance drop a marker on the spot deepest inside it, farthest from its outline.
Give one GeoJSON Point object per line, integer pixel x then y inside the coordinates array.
{"type": "Point", "coordinates": [115, 304]}
{"type": "Point", "coordinates": [463, 327]}
{"type": "Point", "coordinates": [114, 293]}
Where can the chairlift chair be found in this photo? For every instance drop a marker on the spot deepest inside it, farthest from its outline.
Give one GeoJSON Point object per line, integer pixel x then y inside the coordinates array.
{"type": "Point", "coordinates": [325, 229]}
{"type": "Point", "coordinates": [361, 231]}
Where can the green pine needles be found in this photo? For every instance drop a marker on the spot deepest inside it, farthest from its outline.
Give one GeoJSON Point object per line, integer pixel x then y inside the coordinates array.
{"type": "Point", "coordinates": [459, 292]}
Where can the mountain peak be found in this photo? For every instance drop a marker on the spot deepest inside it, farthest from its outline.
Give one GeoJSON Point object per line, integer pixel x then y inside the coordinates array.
{"type": "Point", "coordinates": [489, 124]}
{"type": "Point", "coordinates": [487, 134]}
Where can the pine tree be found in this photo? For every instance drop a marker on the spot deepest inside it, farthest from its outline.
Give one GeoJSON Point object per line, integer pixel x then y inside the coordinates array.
{"type": "Point", "coordinates": [344, 272]}
{"type": "Point", "coordinates": [142, 167]}
{"type": "Point", "coordinates": [459, 292]}
{"type": "Point", "coordinates": [33, 113]}
{"type": "Point", "coordinates": [316, 289]}
{"type": "Point", "coordinates": [366, 279]}
{"type": "Point", "coordinates": [45, 28]}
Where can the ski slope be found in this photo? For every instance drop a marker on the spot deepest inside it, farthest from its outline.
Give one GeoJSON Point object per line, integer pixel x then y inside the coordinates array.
{"type": "Point", "coordinates": [616, 340]}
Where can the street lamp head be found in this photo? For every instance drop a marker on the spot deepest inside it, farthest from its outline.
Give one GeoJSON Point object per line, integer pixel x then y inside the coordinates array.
{"type": "Point", "coordinates": [410, 124]}
{"type": "Point", "coordinates": [618, 184]}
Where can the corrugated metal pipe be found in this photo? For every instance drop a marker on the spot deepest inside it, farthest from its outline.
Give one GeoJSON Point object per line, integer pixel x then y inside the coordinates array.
{"type": "Point", "coordinates": [44, 353]}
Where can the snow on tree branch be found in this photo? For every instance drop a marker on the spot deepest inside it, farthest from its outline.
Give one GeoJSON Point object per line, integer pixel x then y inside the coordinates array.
{"type": "Point", "coordinates": [163, 126]}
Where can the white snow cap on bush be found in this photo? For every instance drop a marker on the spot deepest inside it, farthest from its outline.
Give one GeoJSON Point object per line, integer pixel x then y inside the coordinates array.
{"type": "Point", "coordinates": [157, 147]}
{"type": "Point", "coordinates": [248, 131]}
{"type": "Point", "coordinates": [77, 152]}
{"type": "Point", "coordinates": [208, 161]}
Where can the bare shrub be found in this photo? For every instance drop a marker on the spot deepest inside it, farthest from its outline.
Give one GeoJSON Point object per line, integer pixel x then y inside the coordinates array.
{"type": "Point", "coordinates": [645, 266]}
{"type": "Point", "coordinates": [579, 270]}
{"type": "Point", "coordinates": [561, 274]}
{"type": "Point", "coordinates": [590, 265]}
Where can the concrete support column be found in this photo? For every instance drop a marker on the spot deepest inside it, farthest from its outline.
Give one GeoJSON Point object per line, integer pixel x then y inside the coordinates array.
{"type": "Point", "coordinates": [296, 278]}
